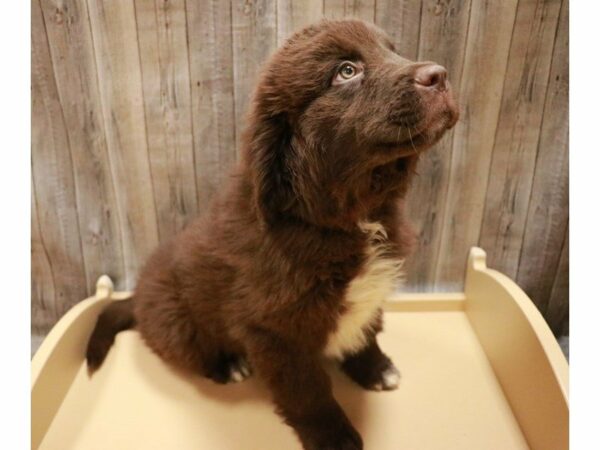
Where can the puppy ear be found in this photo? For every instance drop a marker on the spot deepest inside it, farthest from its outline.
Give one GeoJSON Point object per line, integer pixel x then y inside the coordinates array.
{"type": "Point", "coordinates": [269, 152]}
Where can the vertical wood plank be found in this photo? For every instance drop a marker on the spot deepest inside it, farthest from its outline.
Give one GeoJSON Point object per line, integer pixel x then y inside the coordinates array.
{"type": "Point", "coordinates": [118, 62]}
{"type": "Point", "coordinates": [43, 293]}
{"type": "Point", "coordinates": [547, 216]}
{"type": "Point", "coordinates": [161, 29]}
{"type": "Point", "coordinates": [71, 47]}
{"type": "Point", "coordinates": [442, 40]}
{"type": "Point", "coordinates": [401, 19]}
{"type": "Point", "coordinates": [557, 313]}
{"type": "Point", "coordinates": [254, 39]}
{"type": "Point", "coordinates": [55, 232]}
{"type": "Point", "coordinates": [293, 16]}
{"type": "Point", "coordinates": [490, 30]}
{"type": "Point", "coordinates": [211, 75]}
{"type": "Point", "coordinates": [516, 143]}
{"type": "Point", "coordinates": [356, 9]}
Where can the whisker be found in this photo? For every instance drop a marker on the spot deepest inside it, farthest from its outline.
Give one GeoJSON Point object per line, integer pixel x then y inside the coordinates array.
{"type": "Point", "coordinates": [411, 141]}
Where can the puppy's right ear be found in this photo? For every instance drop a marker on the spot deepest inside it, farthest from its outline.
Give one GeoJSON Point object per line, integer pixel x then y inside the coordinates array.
{"type": "Point", "coordinates": [269, 152]}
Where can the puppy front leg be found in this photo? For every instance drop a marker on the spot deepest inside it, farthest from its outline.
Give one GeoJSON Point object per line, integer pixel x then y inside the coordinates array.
{"type": "Point", "coordinates": [302, 393]}
{"type": "Point", "coordinates": [371, 368]}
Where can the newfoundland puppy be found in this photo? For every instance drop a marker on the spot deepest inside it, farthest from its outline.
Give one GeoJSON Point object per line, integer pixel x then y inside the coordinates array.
{"type": "Point", "coordinates": [298, 251]}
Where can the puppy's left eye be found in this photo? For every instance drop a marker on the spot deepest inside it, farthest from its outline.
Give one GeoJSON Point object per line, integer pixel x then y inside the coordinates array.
{"type": "Point", "coordinates": [346, 72]}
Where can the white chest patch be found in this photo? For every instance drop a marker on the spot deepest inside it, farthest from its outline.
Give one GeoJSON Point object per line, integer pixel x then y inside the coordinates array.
{"type": "Point", "coordinates": [379, 277]}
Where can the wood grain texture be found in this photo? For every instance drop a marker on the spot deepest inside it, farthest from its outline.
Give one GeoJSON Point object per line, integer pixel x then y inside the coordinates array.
{"type": "Point", "coordinates": [490, 31]}
{"type": "Point", "coordinates": [401, 19]}
{"type": "Point", "coordinates": [118, 62]}
{"type": "Point", "coordinates": [516, 143]}
{"type": "Point", "coordinates": [43, 293]}
{"type": "Point", "coordinates": [138, 107]}
{"type": "Point", "coordinates": [72, 51]}
{"type": "Point", "coordinates": [443, 38]}
{"type": "Point", "coordinates": [60, 269]}
{"type": "Point", "coordinates": [557, 312]}
{"type": "Point", "coordinates": [356, 9]}
{"type": "Point", "coordinates": [293, 15]}
{"type": "Point", "coordinates": [161, 29]}
{"type": "Point", "coordinates": [548, 213]}
{"type": "Point", "coordinates": [254, 33]}
{"type": "Point", "coordinates": [209, 36]}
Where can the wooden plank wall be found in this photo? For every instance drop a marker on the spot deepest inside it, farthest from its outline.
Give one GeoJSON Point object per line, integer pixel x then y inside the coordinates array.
{"type": "Point", "coordinates": [138, 107]}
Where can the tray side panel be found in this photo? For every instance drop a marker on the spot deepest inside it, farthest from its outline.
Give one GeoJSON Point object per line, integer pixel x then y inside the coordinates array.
{"type": "Point", "coordinates": [523, 353]}
{"type": "Point", "coordinates": [429, 302]}
{"type": "Point", "coordinates": [57, 362]}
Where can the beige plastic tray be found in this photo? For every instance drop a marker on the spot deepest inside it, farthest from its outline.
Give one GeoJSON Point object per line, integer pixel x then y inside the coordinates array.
{"type": "Point", "coordinates": [481, 370]}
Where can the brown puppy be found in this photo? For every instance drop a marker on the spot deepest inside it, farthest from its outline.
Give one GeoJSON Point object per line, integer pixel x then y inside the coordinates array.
{"type": "Point", "coordinates": [306, 240]}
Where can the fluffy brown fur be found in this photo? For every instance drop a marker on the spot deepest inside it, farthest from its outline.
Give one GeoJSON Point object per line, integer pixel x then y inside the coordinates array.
{"type": "Point", "coordinates": [263, 279]}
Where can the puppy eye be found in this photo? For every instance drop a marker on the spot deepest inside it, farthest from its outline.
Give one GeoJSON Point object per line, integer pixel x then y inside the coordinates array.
{"type": "Point", "coordinates": [346, 72]}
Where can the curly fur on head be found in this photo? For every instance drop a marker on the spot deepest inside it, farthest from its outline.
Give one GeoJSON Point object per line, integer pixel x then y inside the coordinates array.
{"type": "Point", "coordinates": [303, 243]}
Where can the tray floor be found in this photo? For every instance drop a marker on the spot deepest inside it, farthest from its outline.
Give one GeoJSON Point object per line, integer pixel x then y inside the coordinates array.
{"type": "Point", "coordinates": [448, 399]}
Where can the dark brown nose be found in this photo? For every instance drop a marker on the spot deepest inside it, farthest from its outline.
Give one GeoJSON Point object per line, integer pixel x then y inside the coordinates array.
{"type": "Point", "coordinates": [432, 76]}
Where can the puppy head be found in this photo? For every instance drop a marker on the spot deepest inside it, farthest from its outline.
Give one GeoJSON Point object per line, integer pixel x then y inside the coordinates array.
{"type": "Point", "coordinates": [336, 107]}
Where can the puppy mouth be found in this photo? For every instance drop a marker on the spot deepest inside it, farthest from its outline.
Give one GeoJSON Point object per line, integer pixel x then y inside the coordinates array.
{"type": "Point", "coordinates": [416, 140]}
{"type": "Point", "coordinates": [424, 135]}
{"type": "Point", "coordinates": [420, 138]}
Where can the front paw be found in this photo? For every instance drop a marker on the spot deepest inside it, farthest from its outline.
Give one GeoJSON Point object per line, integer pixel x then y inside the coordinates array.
{"type": "Point", "coordinates": [342, 436]}
{"type": "Point", "coordinates": [386, 380]}
{"type": "Point", "coordinates": [228, 368]}
{"type": "Point", "coordinates": [378, 374]}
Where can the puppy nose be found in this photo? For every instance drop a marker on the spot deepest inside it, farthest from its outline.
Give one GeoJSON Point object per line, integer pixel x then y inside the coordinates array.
{"type": "Point", "coordinates": [431, 76]}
